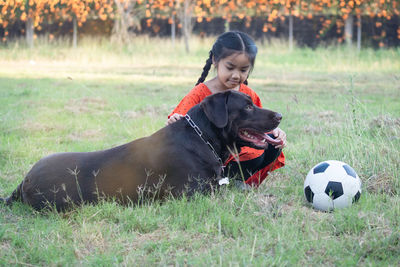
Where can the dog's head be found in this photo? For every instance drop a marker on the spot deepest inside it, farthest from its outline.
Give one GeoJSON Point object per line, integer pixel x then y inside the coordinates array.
{"type": "Point", "coordinates": [241, 121]}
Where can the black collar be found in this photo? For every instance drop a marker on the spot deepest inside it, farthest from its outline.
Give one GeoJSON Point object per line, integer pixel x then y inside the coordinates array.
{"type": "Point", "coordinates": [200, 134]}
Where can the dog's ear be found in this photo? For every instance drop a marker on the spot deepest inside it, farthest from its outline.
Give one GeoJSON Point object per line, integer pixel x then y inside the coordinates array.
{"type": "Point", "coordinates": [216, 109]}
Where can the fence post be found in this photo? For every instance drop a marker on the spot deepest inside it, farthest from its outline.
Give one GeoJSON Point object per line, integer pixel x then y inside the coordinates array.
{"type": "Point", "coordinates": [290, 32]}
{"type": "Point", "coordinates": [74, 32]}
{"type": "Point", "coordinates": [348, 29]}
{"type": "Point", "coordinates": [29, 32]}
{"type": "Point", "coordinates": [359, 33]}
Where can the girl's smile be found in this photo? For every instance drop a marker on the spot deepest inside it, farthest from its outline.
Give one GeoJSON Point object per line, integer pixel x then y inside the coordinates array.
{"type": "Point", "coordinates": [231, 72]}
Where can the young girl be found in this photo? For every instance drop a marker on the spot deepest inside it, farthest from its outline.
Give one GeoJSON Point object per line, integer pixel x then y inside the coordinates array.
{"type": "Point", "coordinates": [233, 55]}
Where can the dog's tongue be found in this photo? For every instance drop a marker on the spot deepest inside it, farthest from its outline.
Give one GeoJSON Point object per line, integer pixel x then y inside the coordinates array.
{"type": "Point", "coordinates": [259, 139]}
{"type": "Point", "coordinates": [271, 140]}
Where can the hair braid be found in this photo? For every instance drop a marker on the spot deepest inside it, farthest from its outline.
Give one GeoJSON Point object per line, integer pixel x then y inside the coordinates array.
{"type": "Point", "coordinates": [206, 69]}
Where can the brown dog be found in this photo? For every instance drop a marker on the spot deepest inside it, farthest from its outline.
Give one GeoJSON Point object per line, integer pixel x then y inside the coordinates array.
{"type": "Point", "coordinates": [185, 156]}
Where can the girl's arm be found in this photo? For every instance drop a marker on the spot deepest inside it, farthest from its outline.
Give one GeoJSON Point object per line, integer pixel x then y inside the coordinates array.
{"type": "Point", "coordinates": [194, 97]}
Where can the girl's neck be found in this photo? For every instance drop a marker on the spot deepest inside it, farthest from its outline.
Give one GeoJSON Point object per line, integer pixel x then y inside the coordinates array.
{"type": "Point", "coordinates": [215, 87]}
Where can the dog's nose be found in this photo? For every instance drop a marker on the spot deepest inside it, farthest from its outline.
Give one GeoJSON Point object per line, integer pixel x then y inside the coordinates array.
{"type": "Point", "coordinates": [277, 117]}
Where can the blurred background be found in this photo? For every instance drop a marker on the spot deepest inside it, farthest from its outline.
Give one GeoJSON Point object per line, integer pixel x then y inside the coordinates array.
{"type": "Point", "coordinates": [362, 23]}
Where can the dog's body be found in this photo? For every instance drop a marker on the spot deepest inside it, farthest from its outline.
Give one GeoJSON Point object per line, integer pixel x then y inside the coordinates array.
{"type": "Point", "coordinates": [173, 160]}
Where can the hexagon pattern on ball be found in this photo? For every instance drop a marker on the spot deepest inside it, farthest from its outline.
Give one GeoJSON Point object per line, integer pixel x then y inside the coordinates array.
{"type": "Point", "coordinates": [332, 185]}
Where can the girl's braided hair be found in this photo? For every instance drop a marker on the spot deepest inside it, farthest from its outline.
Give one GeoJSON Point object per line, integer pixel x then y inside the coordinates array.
{"type": "Point", "coordinates": [227, 44]}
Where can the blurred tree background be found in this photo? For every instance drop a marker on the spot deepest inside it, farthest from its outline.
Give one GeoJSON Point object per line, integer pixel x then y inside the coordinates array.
{"type": "Point", "coordinates": [307, 23]}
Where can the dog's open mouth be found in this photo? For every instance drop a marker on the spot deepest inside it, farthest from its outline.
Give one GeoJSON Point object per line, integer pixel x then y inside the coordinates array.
{"type": "Point", "coordinates": [258, 138]}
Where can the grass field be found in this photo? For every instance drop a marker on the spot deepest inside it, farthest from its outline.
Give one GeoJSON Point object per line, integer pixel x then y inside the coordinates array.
{"type": "Point", "coordinates": [337, 104]}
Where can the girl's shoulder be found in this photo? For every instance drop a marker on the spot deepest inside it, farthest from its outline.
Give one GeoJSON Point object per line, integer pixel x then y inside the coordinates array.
{"type": "Point", "coordinates": [247, 90]}
{"type": "Point", "coordinates": [200, 91]}
{"type": "Point", "coordinates": [194, 97]}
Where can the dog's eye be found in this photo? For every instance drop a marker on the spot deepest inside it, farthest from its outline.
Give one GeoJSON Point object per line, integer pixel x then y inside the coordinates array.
{"type": "Point", "coordinates": [249, 107]}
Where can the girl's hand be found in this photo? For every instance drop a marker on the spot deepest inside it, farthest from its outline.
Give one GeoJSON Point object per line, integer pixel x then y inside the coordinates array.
{"type": "Point", "coordinates": [279, 135]}
{"type": "Point", "coordinates": [174, 117]}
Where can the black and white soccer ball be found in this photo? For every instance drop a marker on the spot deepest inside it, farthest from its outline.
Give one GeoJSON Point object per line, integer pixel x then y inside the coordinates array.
{"type": "Point", "coordinates": [332, 185]}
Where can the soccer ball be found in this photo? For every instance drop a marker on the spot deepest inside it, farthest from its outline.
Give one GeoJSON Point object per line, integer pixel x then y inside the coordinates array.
{"type": "Point", "coordinates": [332, 185]}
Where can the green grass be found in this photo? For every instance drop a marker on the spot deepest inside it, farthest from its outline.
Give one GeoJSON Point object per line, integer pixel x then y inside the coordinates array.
{"type": "Point", "coordinates": [337, 104]}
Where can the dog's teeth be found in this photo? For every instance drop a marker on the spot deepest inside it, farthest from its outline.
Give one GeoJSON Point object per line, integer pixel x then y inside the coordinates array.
{"type": "Point", "coordinates": [245, 133]}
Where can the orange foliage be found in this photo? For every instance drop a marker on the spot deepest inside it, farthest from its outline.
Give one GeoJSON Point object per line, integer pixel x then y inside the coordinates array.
{"type": "Point", "coordinates": [58, 11]}
{"type": "Point", "coordinates": [40, 11]}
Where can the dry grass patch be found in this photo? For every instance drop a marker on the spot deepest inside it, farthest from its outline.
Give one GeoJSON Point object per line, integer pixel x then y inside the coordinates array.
{"type": "Point", "coordinates": [381, 183]}
{"type": "Point", "coordinates": [90, 134]}
{"type": "Point", "coordinates": [151, 111]}
{"type": "Point", "coordinates": [162, 242]}
{"type": "Point", "coordinates": [35, 126]}
{"type": "Point", "coordinates": [386, 123]}
{"type": "Point", "coordinates": [86, 105]}
{"type": "Point", "coordinates": [89, 239]}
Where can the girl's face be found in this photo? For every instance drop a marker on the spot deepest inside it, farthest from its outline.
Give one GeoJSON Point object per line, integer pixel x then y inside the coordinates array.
{"type": "Point", "coordinates": [233, 70]}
